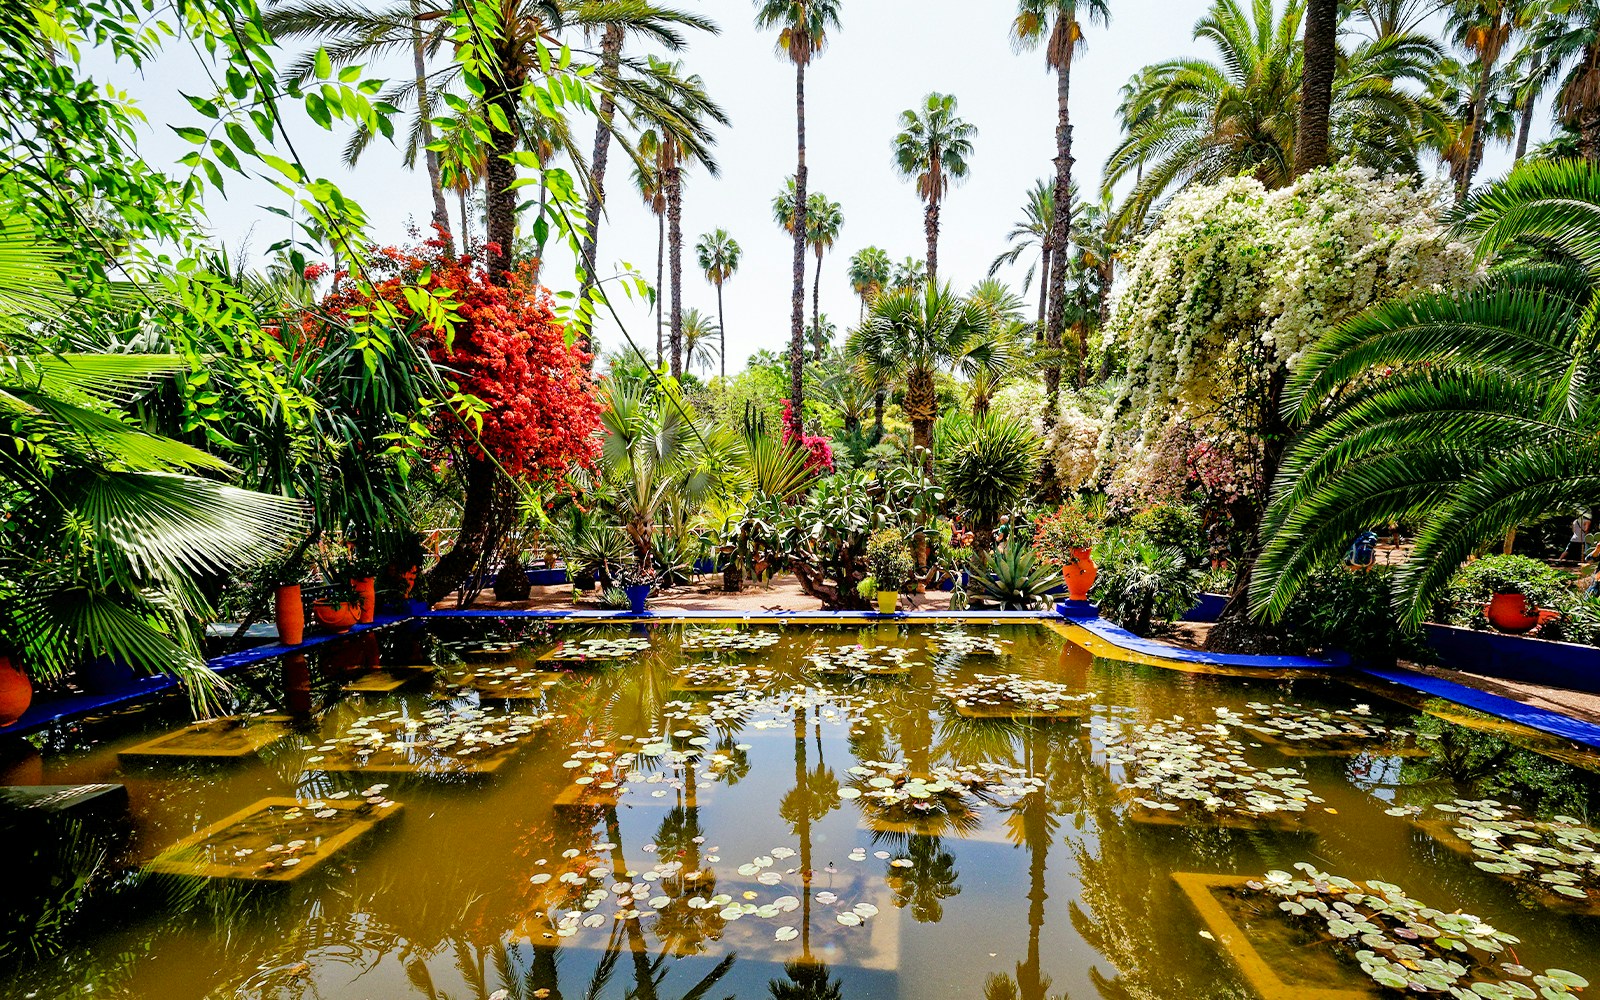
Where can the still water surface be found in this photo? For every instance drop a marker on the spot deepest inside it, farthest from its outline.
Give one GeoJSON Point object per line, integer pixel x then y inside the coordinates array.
{"type": "Point", "coordinates": [777, 816]}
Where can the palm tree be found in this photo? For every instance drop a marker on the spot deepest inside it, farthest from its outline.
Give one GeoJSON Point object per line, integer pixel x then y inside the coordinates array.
{"type": "Point", "coordinates": [912, 335]}
{"type": "Point", "coordinates": [1454, 88]}
{"type": "Point", "coordinates": [870, 271]}
{"type": "Point", "coordinates": [700, 334]}
{"type": "Point", "coordinates": [1321, 46]}
{"type": "Point", "coordinates": [1486, 411]}
{"type": "Point", "coordinates": [647, 20]}
{"type": "Point", "coordinates": [802, 27]}
{"type": "Point", "coordinates": [1038, 221]}
{"type": "Point", "coordinates": [824, 219]}
{"type": "Point", "coordinates": [647, 182]}
{"type": "Point", "coordinates": [821, 336]}
{"type": "Point", "coordinates": [910, 273]}
{"type": "Point", "coordinates": [1484, 28]}
{"type": "Point", "coordinates": [718, 256]}
{"type": "Point", "coordinates": [1058, 25]}
{"type": "Point", "coordinates": [1567, 39]}
{"type": "Point", "coordinates": [1193, 121]}
{"type": "Point", "coordinates": [933, 148]}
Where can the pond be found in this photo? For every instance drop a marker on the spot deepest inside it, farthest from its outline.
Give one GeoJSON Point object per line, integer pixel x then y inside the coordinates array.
{"type": "Point", "coordinates": [513, 809]}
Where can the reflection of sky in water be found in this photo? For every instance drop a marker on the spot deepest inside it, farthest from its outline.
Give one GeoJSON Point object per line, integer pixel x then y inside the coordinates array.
{"type": "Point", "coordinates": [1057, 892]}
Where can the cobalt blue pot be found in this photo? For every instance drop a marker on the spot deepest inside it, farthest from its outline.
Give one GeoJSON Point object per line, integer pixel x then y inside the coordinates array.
{"type": "Point", "coordinates": [637, 596]}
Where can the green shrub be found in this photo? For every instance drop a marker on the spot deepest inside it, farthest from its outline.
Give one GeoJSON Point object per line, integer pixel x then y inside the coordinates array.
{"type": "Point", "coordinates": [1171, 526]}
{"type": "Point", "coordinates": [1349, 611]}
{"type": "Point", "coordinates": [1143, 586]}
{"type": "Point", "coordinates": [1464, 597]}
{"type": "Point", "coordinates": [986, 467]}
{"type": "Point", "coordinates": [1057, 534]}
{"type": "Point", "coordinates": [889, 559]}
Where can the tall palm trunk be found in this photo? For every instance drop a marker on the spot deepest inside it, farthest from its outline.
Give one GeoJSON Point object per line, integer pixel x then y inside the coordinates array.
{"type": "Point", "coordinates": [797, 332]}
{"type": "Point", "coordinates": [1524, 127]}
{"type": "Point", "coordinates": [878, 399]}
{"type": "Point", "coordinates": [922, 407]}
{"type": "Point", "coordinates": [610, 57]}
{"type": "Point", "coordinates": [661, 292]}
{"type": "Point", "coordinates": [672, 177]}
{"type": "Point", "coordinates": [816, 301]}
{"type": "Point", "coordinates": [441, 213]}
{"type": "Point", "coordinates": [1060, 240]}
{"type": "Point", "coordinates": [1044, 288]}
{"type": "Point", "coordinates": [722, 333]}
{"type": "Point", "coordinates": [466, 229]}
{"type": "Point", "coordinates": [500, 198]}
{"type": "Point", "coordinates": [1480, 113]}
{"type": "Point", "coordinates": [1316, 85]}
{"type": "Point", "coordinates": [930, 228]}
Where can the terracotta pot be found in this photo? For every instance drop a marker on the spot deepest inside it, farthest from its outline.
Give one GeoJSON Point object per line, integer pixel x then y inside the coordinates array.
{"type": "Point", "coordinates": [338, 617]}
{"type": "Point", "coordinates": [366, 587]}
{"type": "Point", "coordinates": [1079, 574]}
{"type": "Point", "coordinates": [16, 692]}
{"type": "Point", "coordinates": [1511, 613]}
{"type": "Point", "coordinates": [290, 613]}
{"type": "Point", "coordinates": [886, 601]}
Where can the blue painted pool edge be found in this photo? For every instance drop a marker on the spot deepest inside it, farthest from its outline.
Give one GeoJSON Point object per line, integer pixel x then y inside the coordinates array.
{"type": "Point", "coordinates": [1542, 719]}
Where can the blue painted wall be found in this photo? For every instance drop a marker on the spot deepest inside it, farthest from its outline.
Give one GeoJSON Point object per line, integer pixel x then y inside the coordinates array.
{"type": "Point", "coordinates": [1516, 658]}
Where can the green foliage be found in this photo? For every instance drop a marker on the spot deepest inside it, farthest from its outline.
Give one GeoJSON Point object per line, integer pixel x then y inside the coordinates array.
{"type": "Point", "coordinates": [1143, 586]}
{"type": "Point", "coordinates": [867, 589]}
{"type": "Point", "coordinates": [1056, 535]}
{"type": "Point", "coordinates": [1349, 611]}
{"type": "Point", "coordinates": [1485, 418]}
{"type": "Point", "coordinates": [986, 467]}
{"type": "Point", "coordinates": [889, 559]}
{"type": "Point", "coordinates": [1014, 577]}
{"type": "Point", "coordinates": [1174, 526]}
{"type": "Point", "coordinates": [1462, 600]}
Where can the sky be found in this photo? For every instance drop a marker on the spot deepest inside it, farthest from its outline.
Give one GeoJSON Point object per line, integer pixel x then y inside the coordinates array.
{"type": "Point", "coordinates": [886, 57]}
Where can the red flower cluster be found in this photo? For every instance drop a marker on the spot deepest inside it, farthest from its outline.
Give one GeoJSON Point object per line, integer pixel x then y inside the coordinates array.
{"type": "Point", "coordinates": [540, 410]}
{"type": "Point", "coordinates": [820, 449]}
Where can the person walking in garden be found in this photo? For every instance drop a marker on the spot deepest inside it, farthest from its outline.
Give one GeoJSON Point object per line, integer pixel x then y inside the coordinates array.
{"type": "Point", "coordinates": [1580, 535]}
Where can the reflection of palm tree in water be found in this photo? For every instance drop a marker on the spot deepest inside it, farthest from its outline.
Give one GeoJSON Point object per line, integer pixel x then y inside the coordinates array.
{"type": "Point", "coordinates": [814, 795]}
{"type": "Point", "coordinates": [806, 981]}
{"type": "Point", "coordinates": [1032, 823]}
{"type": "Point", "coordinates": [931, 879]}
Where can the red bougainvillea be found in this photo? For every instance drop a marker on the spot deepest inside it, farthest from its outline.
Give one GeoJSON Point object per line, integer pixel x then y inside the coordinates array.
{"type": "Point", "coordinates": [539, 407]}
{"type": "Point", "coordinates": [819, 450]}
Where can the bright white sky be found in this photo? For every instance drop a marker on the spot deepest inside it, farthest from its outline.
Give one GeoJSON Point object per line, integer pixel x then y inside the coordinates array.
{"type": "Point", "coordinates": [887, 56]}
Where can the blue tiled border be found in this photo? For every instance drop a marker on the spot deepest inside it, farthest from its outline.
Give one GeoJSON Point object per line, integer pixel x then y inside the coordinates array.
{"type": "Point", "coordinates": [1544, 720]}
{"type": "Point", "coordinates": [1123, 639]}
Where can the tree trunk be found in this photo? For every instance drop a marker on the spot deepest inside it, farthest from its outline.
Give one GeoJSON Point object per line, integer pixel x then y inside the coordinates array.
{"type": "Point", "coordinates": [1044, 291]}
{"type": "Point", "coordinates": [722, 333]}
{"type": "Point", "coordinates": [930, 227]}
{"type": "Point", "coordinates": [877, 415]}
{"type": "Point", "coordinates": [1480, 112]}
{"type": "Point", "coordinates": [797, 322]}
{"type": "Point", "coordinates": [478, 482]}
{"type": "Point", "coordinates": [466, 231]}
{"type": "Point", "coordinates": [501, 199]}
{"type": "Point", "coordinates": [1060, 240]}
{"type": "Point", "coordinates": [672, 177]}
{"type": "Point", "coordinates": [922, 408]}
{"type": "Point", "coordinates": [441, 213]}
{"type": "Point", "coordinates": [1316, 85]}
{"type": "Point", "coordinates": [610, 57]}
{"type": "Point", "coordinates": [1589, 135]}
{"type": "Point", "coordinates": [661, 291]}
{"type": "Point", "coordinates": [1525, 124]}
{"type": "Point", "coordinates": [816, 304]}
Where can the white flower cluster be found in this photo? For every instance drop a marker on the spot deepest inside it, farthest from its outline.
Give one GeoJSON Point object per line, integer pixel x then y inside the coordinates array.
{"type": "Point", "coordinates": [1237, 280]}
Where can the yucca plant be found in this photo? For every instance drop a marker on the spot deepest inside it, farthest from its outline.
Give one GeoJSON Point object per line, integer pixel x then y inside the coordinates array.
{"type": "Point", "coordinates": [986, 467]}
{"type": "Point", "coordinates": [1465, 414]}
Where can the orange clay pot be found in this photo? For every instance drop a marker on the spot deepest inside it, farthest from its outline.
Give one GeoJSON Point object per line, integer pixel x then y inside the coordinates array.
{"type": "Point", "coordinates": [16, 692]}
{"type": "Point", "coordinates": [290, 614]}
{"type": "Point", "coordinates": [1512, 613]}
{"type": "Point", "coordinates": [338, 617]}
{"type": "Point", "coordinates": [367, 587]}
{"type": "Point", "coordinates": [1079, 574]}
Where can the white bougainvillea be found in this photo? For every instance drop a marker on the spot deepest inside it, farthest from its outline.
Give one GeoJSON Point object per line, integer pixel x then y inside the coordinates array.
{"type": "Point", "coordinates": [1237, 281]}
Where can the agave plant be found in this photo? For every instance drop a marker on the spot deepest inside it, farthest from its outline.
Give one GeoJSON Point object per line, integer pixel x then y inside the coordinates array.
{"type": "Point", "coordinates": [1465, 414]}
{"type": "Point", "coordinates": [1015, 578]}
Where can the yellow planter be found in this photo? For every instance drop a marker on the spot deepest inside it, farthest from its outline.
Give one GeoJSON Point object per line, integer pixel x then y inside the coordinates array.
{"type": "Point", "coordinates": [886, 601]}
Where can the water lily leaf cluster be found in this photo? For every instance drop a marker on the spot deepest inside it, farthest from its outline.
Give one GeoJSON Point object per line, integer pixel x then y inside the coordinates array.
{"type": "Point", "coordinates": [859, 659]}
{"type": "Point", "coordinates": [717, 675]}
{"type": "Point", "coordinates": [1170, 767]}
{"type": "Point", "coordinates": [1560, 856]}
{"type": "Point", "coordinates": [959, 642]}
{"type": "Point", "coordinates": [442, 738]}
{"type": "Point", "coordinates": [1405, 946]}
{"type": "Point", "coordinates": [1312, 726]}
{"type": "Point", "coordinates": [727, 640]}
{"type": "Point", "coordinates": [891, 789]}
{"type": "Point", "coordinates": [1005, 691]}
{"type": "Point", "coordinates": [599, 649]}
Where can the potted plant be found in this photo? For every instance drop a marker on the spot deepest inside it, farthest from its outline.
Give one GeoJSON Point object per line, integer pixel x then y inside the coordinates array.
{"type": "Point", "coordinates": [867, 589]}
{"type": "Point", "coordinates": [1065, 538]}
{"type": "Point", "coordinates": [363, 570]}
{"type": "Point", "coordinates": [889, 562]}
{"type": "Point", "coordinates": [1514, 591]}
{"type": "Point", "coordinates": [16, 691]}
{"type": "Point", "coordinates": [288, 603]}
{"type": "Point", "coordinates": [339, 606]}
{"type": "Point", "coordinates": [636, 582]}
